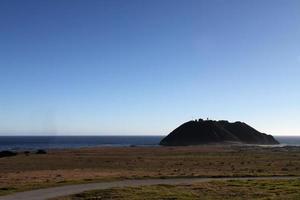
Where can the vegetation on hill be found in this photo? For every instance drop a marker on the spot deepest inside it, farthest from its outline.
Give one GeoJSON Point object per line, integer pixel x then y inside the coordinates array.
{"type": "Point", "coordinates": [209, 131]}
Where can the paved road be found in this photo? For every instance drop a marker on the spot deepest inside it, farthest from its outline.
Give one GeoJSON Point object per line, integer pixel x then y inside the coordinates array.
{"type": "Point", "coordinates": [43, 194]}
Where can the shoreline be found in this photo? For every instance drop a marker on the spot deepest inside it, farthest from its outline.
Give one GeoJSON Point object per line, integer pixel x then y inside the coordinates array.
{"type": "Point", "coordinates": [242, 146]}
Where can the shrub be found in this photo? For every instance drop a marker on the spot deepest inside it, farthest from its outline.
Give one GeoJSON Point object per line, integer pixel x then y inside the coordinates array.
{"type": "Point", "coordinates": [41, 151]}
{"type": "Point", "coordinates": [7, 153]}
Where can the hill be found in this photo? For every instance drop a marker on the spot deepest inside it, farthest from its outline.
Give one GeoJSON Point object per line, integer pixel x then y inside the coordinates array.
{"type": "Point", "coordinates": [210, 131]}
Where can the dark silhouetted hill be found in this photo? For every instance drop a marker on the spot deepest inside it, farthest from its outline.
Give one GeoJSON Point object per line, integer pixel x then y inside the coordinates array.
{"type": "Point", "coordinates": [209, 131]}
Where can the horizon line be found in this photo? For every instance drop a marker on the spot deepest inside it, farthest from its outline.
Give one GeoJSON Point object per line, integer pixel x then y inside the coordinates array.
{"type": "Point", "coordinates": [114, 135]}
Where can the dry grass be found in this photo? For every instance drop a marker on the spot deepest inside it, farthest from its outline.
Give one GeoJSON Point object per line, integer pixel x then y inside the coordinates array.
{"type": "Point", "coordinates": [108, 163]}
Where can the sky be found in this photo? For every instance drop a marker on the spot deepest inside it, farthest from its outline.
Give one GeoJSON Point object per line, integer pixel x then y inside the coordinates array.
{"type": "Point", "coordinates": [144, 67]}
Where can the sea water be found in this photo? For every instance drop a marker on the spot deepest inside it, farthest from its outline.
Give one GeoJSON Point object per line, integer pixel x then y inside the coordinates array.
{"type": "Point", "coordinates": [60, 142]}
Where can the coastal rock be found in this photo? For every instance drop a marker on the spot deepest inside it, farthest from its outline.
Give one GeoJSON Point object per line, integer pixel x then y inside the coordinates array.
{"type": "Point", "coordinates": [209, 131]}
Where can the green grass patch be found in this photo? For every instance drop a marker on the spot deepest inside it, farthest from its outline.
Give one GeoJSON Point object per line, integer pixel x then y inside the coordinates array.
{"type": "Point", "coordinates": [215, 190]}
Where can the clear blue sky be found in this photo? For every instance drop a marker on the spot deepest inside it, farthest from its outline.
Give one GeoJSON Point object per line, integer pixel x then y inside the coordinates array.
{"type": "Point", "coordinates": [144, 67]}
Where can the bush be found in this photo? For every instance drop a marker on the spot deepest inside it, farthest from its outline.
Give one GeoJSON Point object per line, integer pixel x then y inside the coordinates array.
{"type": "Point", "coordinates": [7, 154]}
{"type": "Point", "coordinates": [41, 151]}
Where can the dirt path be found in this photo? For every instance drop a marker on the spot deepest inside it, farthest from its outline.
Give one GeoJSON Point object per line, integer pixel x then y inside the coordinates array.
{"type": "Point", "coordinates": [43, 194]}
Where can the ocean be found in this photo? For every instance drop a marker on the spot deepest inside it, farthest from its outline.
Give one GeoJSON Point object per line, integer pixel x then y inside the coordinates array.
{"type": "Point", "coordinates": [60, 142]}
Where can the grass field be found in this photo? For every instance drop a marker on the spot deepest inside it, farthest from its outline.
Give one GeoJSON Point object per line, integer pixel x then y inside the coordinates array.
{"type": "Point", "coordinates": [217, 190]}
{"type": "Point", "coordinates": [59, 167]}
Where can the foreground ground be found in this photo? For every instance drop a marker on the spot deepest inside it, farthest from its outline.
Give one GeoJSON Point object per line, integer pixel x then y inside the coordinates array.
{"type": "Point", "coordinates": [233, 189]}
{"type": "Point", "coordinates": [60, 167]}
{"type": "Point", "coordinates": [62, 192]}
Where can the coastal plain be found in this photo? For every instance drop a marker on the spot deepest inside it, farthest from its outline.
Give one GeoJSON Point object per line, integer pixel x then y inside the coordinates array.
{"type": "Point", "coordinates": [70, 166]}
